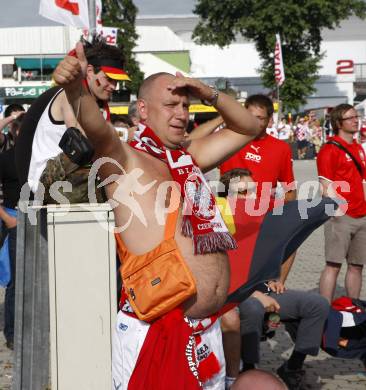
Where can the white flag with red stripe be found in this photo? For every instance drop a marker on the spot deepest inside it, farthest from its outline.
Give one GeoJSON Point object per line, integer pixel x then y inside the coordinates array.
{"type": "Point", "coordinates": [68, 12]}
{"type": "Point", "coordinates": [109, 33]}
{"type": "Point", "coordinates": [278, 62]}
{"type": "Point", "coordinates": [98, 14]}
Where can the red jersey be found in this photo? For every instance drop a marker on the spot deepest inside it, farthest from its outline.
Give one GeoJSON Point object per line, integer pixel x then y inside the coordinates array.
{"type": "Point", "coordinates": [336, 165]}
{"type": "Point", "coordinates": [270, 161]}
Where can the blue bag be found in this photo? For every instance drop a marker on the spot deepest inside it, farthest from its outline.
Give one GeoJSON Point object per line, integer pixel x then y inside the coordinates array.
{"type": "Point", "coordinates": [354, 348]}
{"type": "Point", "coordinates": [5, 263]}
{"type": "Point", "coordinates": [5, 271]}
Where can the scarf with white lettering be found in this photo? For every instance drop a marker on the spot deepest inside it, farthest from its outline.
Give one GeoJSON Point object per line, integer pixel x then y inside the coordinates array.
{"type": "Point", "coordinates": [201, 217]}
{"type": "Point", "coordinates": [176, 352]}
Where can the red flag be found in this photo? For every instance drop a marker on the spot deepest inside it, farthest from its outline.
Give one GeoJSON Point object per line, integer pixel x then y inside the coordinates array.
{"type": "Point", "coordinates": [265, 241]}
{"type": "Point", "coordinates": [67, 12]}
{"type": "Point", "coordinates": [278, 62]}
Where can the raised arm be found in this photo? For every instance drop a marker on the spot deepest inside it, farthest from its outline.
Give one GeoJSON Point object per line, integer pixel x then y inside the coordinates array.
{"type": "Point", "coordinates": [205, 129]}
{"type": "Point", "coordinates": [69, 74]}
{"type": "Point", "coordinates": [5, 122]}
{"type": "Point", "coordinates": [242, 127]}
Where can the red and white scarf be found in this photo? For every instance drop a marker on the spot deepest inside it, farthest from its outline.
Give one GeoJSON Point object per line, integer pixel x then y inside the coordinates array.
{"type": "Point", "coordinates": [174, 353]}
{"type": "Point", "coordinates": [201, 217]}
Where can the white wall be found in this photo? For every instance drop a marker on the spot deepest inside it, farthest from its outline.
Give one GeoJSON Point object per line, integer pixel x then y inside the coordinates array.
{"type": "Point", "coordinates": [157, 38]}
{"type": "Point", "coordinates": [236, 60]}
{"type": "Point", "coordinates": [341, 50]}
{"type": "Point", "coordinates": [37, 40]}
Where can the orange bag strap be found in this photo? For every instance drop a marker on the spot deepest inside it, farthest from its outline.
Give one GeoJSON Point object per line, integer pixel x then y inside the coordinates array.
{"type": "Point", "coordinates": [121, 247]}
{"type": "Point", "coordinates": [170, 224]}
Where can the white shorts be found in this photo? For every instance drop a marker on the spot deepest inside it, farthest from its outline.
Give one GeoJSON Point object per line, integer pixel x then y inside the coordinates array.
{"type": "Point", "coordinates": [128, 337]}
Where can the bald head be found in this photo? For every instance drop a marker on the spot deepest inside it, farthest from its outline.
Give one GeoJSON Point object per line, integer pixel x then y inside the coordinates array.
{"type": "Point", "coordinates": [164, 108]}
{"type": "Point", "coordinates": [148, 84]}
{"type": "Point", "coordinates": [258, 380]}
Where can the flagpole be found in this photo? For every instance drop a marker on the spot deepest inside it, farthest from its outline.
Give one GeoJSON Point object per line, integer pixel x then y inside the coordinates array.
{"type": "Point", "coordinates": [41, 52]}
{"type": "Point", "coordinates": [279, 112]}
{"type": "Point", "coordinates": [279, 74]}
{"type": "Point", "coordinates": [92, 16]}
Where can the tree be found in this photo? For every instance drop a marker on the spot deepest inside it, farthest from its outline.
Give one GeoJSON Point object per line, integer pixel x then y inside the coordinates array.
{"type": "Point", "coordinates": [122, 14]}
{"type": "Point", "coordinates": [299, 23]}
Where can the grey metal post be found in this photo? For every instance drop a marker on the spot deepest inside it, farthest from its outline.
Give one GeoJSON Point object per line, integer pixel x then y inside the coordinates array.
{"type": "Point", "coordinates": [31, 339]}
{"type": "Point", "coordinates": [92, 16]}
{"type": "Point", "coordinates": [279, 109]}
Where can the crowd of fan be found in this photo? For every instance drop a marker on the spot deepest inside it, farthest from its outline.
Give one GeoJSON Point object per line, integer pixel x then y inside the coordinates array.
{"type": "Point", "coordinates": [307, 133]}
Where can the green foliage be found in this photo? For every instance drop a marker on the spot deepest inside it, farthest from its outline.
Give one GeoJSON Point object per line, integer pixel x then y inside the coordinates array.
{"type": "Point", "coordinates": [299, 23]}
{"type": "Point", "coordinates": [122, 14]}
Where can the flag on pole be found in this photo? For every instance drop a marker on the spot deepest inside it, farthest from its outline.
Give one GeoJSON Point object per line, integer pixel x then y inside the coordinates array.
{"type": "Point", "coordinates": [109, 33]}
{"type": "Point", "coordinates": [278, 64]}
{"type": "Point", "coordinates": [98, 14]}
{"type": "Point", "coordinates": [68, 12]}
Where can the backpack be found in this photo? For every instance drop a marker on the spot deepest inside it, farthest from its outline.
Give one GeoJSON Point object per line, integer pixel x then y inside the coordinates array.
{"type": "Point", "coordinates": [353, 312]}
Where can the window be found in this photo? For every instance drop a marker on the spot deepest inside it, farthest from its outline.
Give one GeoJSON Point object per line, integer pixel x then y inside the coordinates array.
{"type": "Point", "coordinates": [8, 70]}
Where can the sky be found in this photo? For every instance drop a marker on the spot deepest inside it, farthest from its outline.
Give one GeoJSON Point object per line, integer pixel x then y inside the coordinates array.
{"type": "Point", "coordinates": [24, 13]}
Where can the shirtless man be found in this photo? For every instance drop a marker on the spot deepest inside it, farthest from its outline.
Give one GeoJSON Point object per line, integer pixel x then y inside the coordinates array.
{"type": "Point", "coordinates": [163, 106]}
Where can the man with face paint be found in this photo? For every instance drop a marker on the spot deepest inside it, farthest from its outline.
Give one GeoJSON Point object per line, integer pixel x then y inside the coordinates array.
{"type": "Point", "coordinates": [39, 158]}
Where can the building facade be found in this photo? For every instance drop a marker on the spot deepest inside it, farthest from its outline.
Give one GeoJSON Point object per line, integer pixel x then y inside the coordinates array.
{"type": "Point", "coordinates": [29, 55]}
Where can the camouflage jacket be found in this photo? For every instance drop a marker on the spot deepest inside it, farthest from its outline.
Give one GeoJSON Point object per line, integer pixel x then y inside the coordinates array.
{"type": "Point", "coordinates": [62, 168]}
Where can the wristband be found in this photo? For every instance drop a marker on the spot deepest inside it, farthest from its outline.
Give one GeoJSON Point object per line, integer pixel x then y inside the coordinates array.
{"type": "Point", "coordinates": [213, 99]}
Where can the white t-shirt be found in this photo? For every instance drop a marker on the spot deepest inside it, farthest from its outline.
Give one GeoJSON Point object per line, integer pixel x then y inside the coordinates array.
{"type": "Point", "coordinates": [45, 145]}
{"type": "Point", "coordinates": [284, 132]}
{"type": "Point", "coordinates": [272, 131]}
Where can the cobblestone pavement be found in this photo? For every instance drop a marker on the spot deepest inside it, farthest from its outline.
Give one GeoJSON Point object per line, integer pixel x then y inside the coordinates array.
{"type": "Point", "coordinates": [6, 356]}
{"type": "Point", "coordinates": [323, 371]}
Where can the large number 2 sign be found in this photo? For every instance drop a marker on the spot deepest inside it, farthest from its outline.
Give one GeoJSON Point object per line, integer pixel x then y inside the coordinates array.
{"type": "Point", "coordinates": [71, 6]}
{"type": "Point", "coordinates": [344, 67]}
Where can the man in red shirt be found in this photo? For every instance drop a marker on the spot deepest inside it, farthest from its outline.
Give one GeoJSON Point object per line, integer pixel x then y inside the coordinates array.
{"type": "Point", "coordinates": [270, 162]}
{"type": "Point", "coordinates": [342, 173]}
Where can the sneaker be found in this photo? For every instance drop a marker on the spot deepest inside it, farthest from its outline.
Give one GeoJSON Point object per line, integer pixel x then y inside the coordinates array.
{"type": "Point", "coordinates": [292, 378]}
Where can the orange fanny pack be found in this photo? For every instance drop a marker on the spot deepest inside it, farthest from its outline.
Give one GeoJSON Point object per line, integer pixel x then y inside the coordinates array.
{"type": "Point", "coordinates": [159, 280]}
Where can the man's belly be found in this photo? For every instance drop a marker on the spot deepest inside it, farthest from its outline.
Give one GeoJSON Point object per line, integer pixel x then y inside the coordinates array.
{"type": "Point", "coordinates": [212, 274]}
{"type": "Point", "coordinates": [211, 271]}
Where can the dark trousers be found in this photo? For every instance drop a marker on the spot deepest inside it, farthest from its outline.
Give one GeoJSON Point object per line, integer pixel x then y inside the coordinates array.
{"type": "Point", "coordinates": [9, 305]}
{"type": "Point", "coordinates": [308, 308]}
